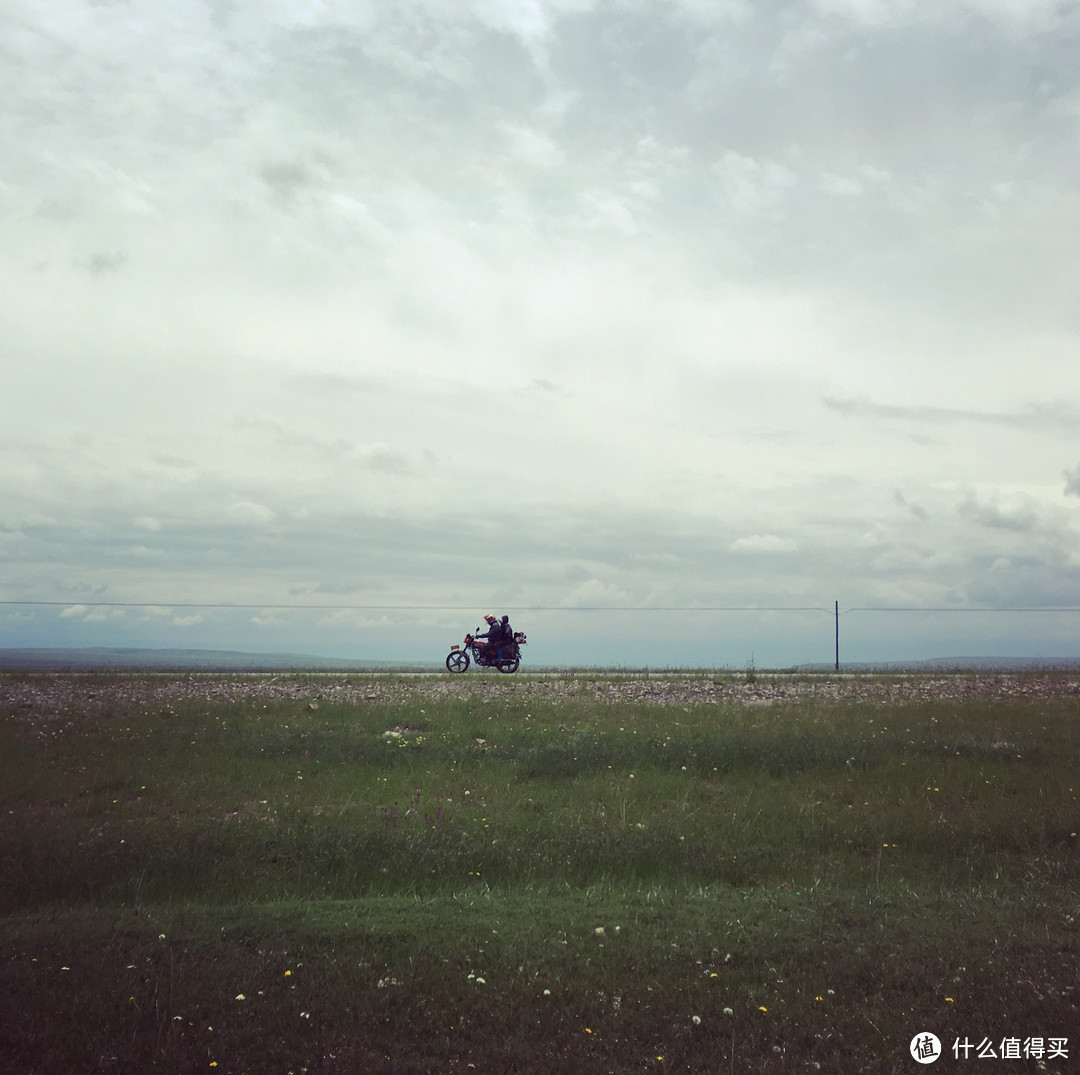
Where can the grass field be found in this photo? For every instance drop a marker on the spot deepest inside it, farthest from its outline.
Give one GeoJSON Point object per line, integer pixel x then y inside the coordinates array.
{"type": "Point", "coordinates": [526, 874]}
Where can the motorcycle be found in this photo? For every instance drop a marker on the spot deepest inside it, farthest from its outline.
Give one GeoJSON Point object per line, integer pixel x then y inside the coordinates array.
{"type": "Point", "coordinates": [474, 650]}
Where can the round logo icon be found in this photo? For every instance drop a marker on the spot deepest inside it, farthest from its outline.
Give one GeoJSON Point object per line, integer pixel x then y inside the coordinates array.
{"type": "Point", "coordinates": [925, 1047]}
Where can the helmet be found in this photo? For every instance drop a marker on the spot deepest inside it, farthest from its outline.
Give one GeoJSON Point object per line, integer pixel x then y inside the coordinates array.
{"type": "Point", "coordinates": [489, 618]}
{"type": "Point", "coordinates": [506, 619]}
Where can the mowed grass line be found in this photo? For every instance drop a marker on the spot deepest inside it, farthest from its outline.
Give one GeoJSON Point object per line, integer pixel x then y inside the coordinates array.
{"type": "Point", "coordinates": [528, 886]}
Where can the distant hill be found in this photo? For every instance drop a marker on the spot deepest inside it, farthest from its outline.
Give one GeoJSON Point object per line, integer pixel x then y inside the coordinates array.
{"type": "Point", "coordinates": [953, 664]}
{"type": "Point", "coordinates": [187, 660]}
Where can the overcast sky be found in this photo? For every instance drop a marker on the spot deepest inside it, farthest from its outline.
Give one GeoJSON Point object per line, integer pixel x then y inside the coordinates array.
{"type": "Point", "coordinates": [499, 304]}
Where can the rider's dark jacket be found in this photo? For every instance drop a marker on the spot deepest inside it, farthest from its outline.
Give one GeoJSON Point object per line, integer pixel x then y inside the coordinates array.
{"type": "Point", "coordinates": [498, 637]}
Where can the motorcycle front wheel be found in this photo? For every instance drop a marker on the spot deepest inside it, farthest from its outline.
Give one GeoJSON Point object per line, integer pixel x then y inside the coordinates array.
{"type": "Point", "coordinates": [457, 661]}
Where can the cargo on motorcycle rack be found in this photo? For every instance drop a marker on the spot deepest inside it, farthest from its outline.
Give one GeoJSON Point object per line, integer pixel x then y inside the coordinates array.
{"type": "Point", "coordinates": [474, 650]}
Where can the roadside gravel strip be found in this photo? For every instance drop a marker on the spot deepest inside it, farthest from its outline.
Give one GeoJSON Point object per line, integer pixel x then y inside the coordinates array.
{"type": "Point", "coordinates": [52, 698]}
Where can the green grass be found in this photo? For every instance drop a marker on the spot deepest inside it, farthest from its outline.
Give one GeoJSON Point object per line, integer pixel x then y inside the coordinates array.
{"type": "Point", "coordinates": [704, 888]}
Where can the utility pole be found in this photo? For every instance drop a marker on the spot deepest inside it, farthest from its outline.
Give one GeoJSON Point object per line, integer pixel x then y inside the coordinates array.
{"type": "Point", "coordinates": [836, 608]}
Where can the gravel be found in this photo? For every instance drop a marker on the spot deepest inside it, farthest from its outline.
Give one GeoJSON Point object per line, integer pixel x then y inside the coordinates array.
{"type": "Point", "coordinates": [47, 703]}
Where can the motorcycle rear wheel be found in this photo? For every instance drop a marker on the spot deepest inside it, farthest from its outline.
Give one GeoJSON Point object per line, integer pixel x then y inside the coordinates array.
{"type": "Point", "coordinates": [457, 661]}
{"type": "Point", "coordinates": [510, 666]}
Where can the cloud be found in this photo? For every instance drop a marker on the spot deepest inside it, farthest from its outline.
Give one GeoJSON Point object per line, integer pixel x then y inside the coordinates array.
{"type": "Point", "coordinates": [532, 147]}
{"type": "Point", "coordinates": [841, 186]}
{"type": "Point", "coordinates": [917, 511]}
{"type": "Point", "coordinates": [553, 302]}
{"type": "Point", "coordinates": [593, 592]}
{"type": "Point", "coordinates": [752, 187]}
{"type": "Point", "coordinates": [248, 513]}
{"type": "Point", "coordinates": [100, 615]}
{"type": "Point", "coordinates": [92, 613]}
{"type": "Point", "coordinates": [1016, 515]}
{"type": "Point", "coordinates": [266, 620]}
{"type": "Point", "coordinates": [1072, 482]}
{"type": "Point", "coordinates": [1021, 17]}
{"type": "Point", "coordinates": [287, 178]}
{"type": "Point", "coordinates": [1036, 418]}
{"type": "Point", "coordinates": [608, 210]}
{"type": "Point", "coordinates": [383, 457]}
{"type": "Point", "coordinates": [767, 543]}
{"type": "Point", "coordinates": [105, 264]}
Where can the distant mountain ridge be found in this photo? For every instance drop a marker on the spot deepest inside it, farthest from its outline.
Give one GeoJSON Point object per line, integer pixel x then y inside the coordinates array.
{"type": "Point", "coordinates": [950, 664]}
{"type": "Point", "coordinates": [105, 658]}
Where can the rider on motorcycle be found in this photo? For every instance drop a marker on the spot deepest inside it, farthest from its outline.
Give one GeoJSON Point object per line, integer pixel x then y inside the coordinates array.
{"type": "Point", "coordinates": [494, 636]}
{"type": "Point", "coordinates": [499, 647]}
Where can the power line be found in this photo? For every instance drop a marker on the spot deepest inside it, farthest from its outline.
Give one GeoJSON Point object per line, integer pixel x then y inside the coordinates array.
{"type": "Point", "coordinates": [422, 608]}
{"type": "Point", "coordinates": [938, 608]}
{"type": "Point", "coordinates": [531, 608]}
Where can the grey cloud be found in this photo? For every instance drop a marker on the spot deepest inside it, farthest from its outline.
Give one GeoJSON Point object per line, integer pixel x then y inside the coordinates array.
{"type": "Point", "coordinates": [334, 451]}
{"type": "Point", "coordinates": [281, 436]}
{"type": "Point", "coordinates": [1019, 517]}
{"type": "Point", "coordinates": [105, 264]}
{"type": "Point", "coordinates": [1018, 582]}
{"type": "Point", "coordinates": [173, 462]}
{"type": "Point", "coordinates": [627, 205]}
{"type": "Point", "coordinates": [385, 458]}
{"type": "Point", "coordinates": [420, 88]}
{"type": "Point", "coordinates": [336, 384]}
{"type": "Point", "coordinates": [98, 589]}
{"type": "Point", "coordinates": [386, 394]}
{"type": "Point", "coordinates": [917, 511]}
{"type": "Point", "coordinates": [1035, 418]}
{"type": "Point", "coordinates": [287, 178]}
{"type": "Point", "coordinates": [545, 387]}
{"type": "Point", "coordinates": [57, 209]}
{"type": "Point", "coordinates": [1009, 22]}
{"type": "Point", "coordinates": [584, 557]}
{"type": "Point", "coordinates": [753, 187]}
{"type": "Point", "coordinates": [248, 513]}
{"type": "Point", "coordinates": [344, 585]}
{"type": "Point", "coordinates": [1072, 482]}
